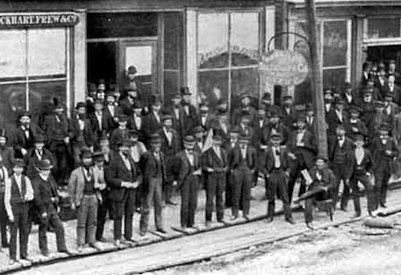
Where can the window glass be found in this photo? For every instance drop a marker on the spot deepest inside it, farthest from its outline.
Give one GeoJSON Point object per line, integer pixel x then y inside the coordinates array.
{"type": "Point", "coordinates": [383, 27]}
{"type": "Point", "coordinates": [213, 40]}
{"type": "Point", "coordinates": [12, 53]}
{"type": "Point", "coordinates": [245, 80]}
{"type": "Point", "coordinates": [47, 58]}
{"type": "Point", "coordinates": [244, 44]}
{"type": "Point", "coordinates": [213, 85]}
{"type": "Point", "coordinates": [172, 31]}
{"type": "Point", "coordinates": [334, 78]}
{"type": "Point", "coordinates": [334, 43]}
{"type": "Point", "coordinates": [13, 101]}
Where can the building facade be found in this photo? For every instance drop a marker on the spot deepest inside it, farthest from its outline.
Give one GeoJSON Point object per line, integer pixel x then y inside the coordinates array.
{"type": "Point", "coordinates": [350, 32]}
{"type": "Point", "coordinates": [53, 49]}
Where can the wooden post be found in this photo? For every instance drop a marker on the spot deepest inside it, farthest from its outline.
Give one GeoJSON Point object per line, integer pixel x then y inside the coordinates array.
{"type": "Point", "coordinates": [317, 78]}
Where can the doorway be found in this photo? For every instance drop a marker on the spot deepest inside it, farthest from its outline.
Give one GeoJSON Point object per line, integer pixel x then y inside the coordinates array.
{"type": "Point", "coordinates": [384, 54]}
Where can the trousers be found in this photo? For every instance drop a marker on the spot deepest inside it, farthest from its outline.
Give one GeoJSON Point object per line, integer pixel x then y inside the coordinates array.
{"type": "Point", "coordinates": [214, 193]}
{"type": "Point", "coordinates": [189, 200]}
{"type": "Point", "coordinates": [241, 191]}
{"type": "Point", "coordinates": [20, 212]}
{"type": "Point", "coordinates": [54, 221]}
{"type": "Point", "coordinates": [365, 180]}
{"type": "Point", "coordinates": [153, 194]}
{"type": "Point", "coordinates": [87, 220]}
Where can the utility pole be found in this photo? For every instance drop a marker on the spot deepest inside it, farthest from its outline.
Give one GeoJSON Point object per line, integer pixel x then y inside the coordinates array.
{"type": "Point", "coordinates": [317, 79]}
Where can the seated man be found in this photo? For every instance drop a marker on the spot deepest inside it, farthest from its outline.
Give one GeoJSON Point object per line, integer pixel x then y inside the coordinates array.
{"type": "Point", "coordinates": [322, 180]}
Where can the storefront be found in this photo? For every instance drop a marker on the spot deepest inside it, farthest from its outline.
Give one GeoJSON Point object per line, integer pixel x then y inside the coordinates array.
{"type": "Point", "coordinates": [350, 33]}
{"type": "Point", "coordinates": [213, 48]}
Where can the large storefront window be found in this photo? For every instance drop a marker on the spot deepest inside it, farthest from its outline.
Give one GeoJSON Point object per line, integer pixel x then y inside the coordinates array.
{"type": "Point", "coordinates": [228, 52]}
{"type": "Point", "coordinates": [335, 39]}
{"type": "Point", "coordinates": [33, 70]}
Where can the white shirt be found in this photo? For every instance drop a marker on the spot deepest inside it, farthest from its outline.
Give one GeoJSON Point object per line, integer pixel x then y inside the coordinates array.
{"type": "Point", "coordinates": [99, 120]}
{"type": "Point", "coordinates": [157, 116]}
{"type": "Point", "coordinates": [137, 151]}
{"type": "Point", "coordinates": [359, 154]}
{"type": "Point", "coordinates": [111, 109]}
{"type": "Point", "coordinates": [276, 154]}
{"type": "Point", "coordinates": [177, 113]}
{"type": "Point", "coordinates": [126, 161]}
{"type": "Point", "coordinates": [186, 108]}
{"type": "Point", "coordinates": [327, 107]}
{"type": "Point", "coordinates": [339, 115]}
{"type": "Point", "coordinates": [300, 136]}
{"type": "Point", "coordinates": [349, 97]}
{"type": "Point", "coordinates": [243, 152]}
{"type": "Point", "coordinates": [190, 158]}
{"type": "Point", "coordinates": [39, 154]}
{"type": "Point", "coordinates": [81, 124]}
{"type": "Point", "coordinates": [341, 142]}
{"type": "Point", "coordinates": [217, 151]}
{"type": "Point", "coordinates": [203, 120]}
{"type": "Point", "coordinates": [7, 193]}
{"type": "Point", "coordinates": [138, 121]}
{"type": "Point", "coordinates": [168, 135]}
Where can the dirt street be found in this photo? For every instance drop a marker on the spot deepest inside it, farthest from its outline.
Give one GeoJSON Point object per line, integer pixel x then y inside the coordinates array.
{"type": "Point", "coordinates": [349, 249]}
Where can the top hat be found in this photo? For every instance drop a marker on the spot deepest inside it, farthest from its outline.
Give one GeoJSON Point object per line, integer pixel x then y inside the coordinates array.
{"type": "Point", "coordinates": [185, 91]}
{"type": "Point", "coordinates": [189, 141]}
{"type": "Point", "coordinates": [39, 139]}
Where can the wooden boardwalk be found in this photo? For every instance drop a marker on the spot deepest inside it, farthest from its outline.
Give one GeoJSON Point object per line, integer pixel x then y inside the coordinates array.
{"type": "Point", "coordinates": [156, 251]}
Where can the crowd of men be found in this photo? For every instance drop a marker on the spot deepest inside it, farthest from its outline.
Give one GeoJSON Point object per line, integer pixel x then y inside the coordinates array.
{"type": "Point", "coordinates": [116, 155]}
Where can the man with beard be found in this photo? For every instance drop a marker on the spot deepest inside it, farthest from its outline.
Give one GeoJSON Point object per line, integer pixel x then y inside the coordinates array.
{"type": "Point", "coordinates": [267, 103]}
{"type": "Point", "coordinates": [339, 146]}
{"type": "Point", "coordinates": [81, 132]}
{"type": "Point", "coordinates": [244, 108]}
{"type": "Point", "coordinates": [57, 131]}
{"type": "Point", "coordinates": [190, 116]}
{"type": "Point", "coordinates": [275, 169]}
{"type": "Point", "coordinates": [275, 126]}
{"type": "Point", "coordinates": [6, 152]}
{"type": "Point", "coordinates": [171, 145]}
{"type": "Point", "coordinates": [321, 177]}
{"type": "Point", "coordinates": [242, 164]}
{"type": "Point", "coordinates": [22, 139]}
{"type": "Point", "coordinates": [82, 189]}
{"type": "Point", "coordinates": [288, 112]}
{"type": "Point", "coordinates": [302, 146]}
{"type": "Point", "coordinates": [216, 166]}
{"type": "Point", "coordinates": [189, 164]}
{"type": "Point", "coordinates": [111, 108]}
{"type": "Point", "coordinates": [46, 201]}
{"type": "Point", "coordinates": [385, 150]}
{"type": "Point", "coordinates": [123, 178]}
{"type": "Point", "coordinates": [359, 175]}
{"type": "Point", "coordinates": [119, 133]}
{"type": "Point", "coordinates": [154, 175]}
{"type": "Point", "coordinates": [221, 125]}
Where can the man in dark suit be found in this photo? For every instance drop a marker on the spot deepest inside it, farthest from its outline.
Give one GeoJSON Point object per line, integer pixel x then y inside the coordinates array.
{"type": "Point", "coordinates": [23, 136]}
{"type": "Point", "coordinates": [385, 150]}
{"type": "Point", "coordinates": [82, 135]}
{"type": "Point", "coordinates": [393, 89]}
{"type": "Point", "coordinates": [152, 121]}
{"type": "Point", "coordinates": [35, 155]}
{"type": "Point", "coordinates": [261, 122]}
{"type": "Point", "coordinates": [359, 175]}
{"type": "Point", "coordinates": [206, 118]}
{"type": "Point", "coordinates": [229, 146]}
{"type": "Point", "coordinates": [367, 65]}
{"type": "Point", "coordinates": [276, 170]}
{"type": "Point", "coordinates": [100, 121]}
{"type": "Point", "coordinates": [119, 133]}
{"type": "Point", "coordinates": [355, 125]}
{"type": "Point", "coordinates": [46, 200]}
{"type": "Point", "coordinates": [337, 117]}
{"type": "Point", "coordinates": [111, 107]}
{"type": "Point", "coordinates": [339, 146]}
{"type": "Point", "coordinates": [216, 166]}
{"type": "Point", "coordinates": [171, 145]}
{"type": "Point", "coordinates": [288, 112]}
{"type": "Point", "coordinates": [176, 111]}
{"type": "Point", "coordinates": [242, 164]}
{"type": "Point", "coordinates": [190, 115]}
{"type": "Point", "coordinates": [189, 164]}
{"type": "Point", "coordinates": [381, 83]}
{"type": "Point", "coordinates": [123, 179]}
{"type": "Point", "coordinates": [302, 146]}
{"type": "Point", "coordinates": [310, 118]}
{"type": "Point", "coordinates": [350, 96]}
{"type": "Point", "coordinates": [136, 120]}
{"type": "Point", "coordinates": [320, 177]}
{"type": "Point", "coordinates": [244, 108]}
{"type": "Point", "coordinates": [154, 176]}
{"type": "Point", "coordinates": [57, 131]}
{"type": "Point", "coordinates": [275, 126]}
{"type": "Point", "coordinates": [328, 103]}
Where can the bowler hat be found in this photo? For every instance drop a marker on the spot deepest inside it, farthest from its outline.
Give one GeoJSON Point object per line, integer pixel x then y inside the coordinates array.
{"type": "Point", "coordinates": [266, 96]}
{"type": "Point", "coordinates": [132, 70]}
{"type": "Point", "coordinates": [176, 96]}
{"type": "Point", "coordinates": [309, 107]}
{"type": "Point", "coordinates": [287, 97]}
{"type": "Point", "coordinates": [155, 138]}
{"type": "Point", "coordinates": [244, 95]}
{"type": "Point", "coordinates": [198, 129]}
{"type": "Point", "coordinates": [80, 105]}
{"type": "Point", "coordinates": [235, 130]}
{"type": "Point", "coordinates": [275, 136]}
{"type": "Point", "coordinates": [359, 137]}
{"type": "Point", "coordinates": [347, 85]}
{"type": "Point", "coordinates": [355, 110]}
{"type": "Point", "coordinates": [19, 162]}
{"type": "Point", "coordinates": [133, 132]}
{"type": "Point", "coordinates": [166, 117]}
{"type": "Point", "coordinates": [98, 101]}
{"type": "Point", "coordinates": [98, 156]}
{"type": "Point", "coordinates": [185, 91]}
{"type": "Point", "coordinates": [86, 153]}
{"type": "Point", "coordinates": [327, 91]}
{"type": "Point", "coordinates": [138, 104]}
{"type": "Point", "coordinates": [217, 138]}
{"type": "Point", "coordinates": [122, 118]}
{"type": "Point", "coordinates": [244, 138]}
{"type": "Point", "coordinates": [123, 142]}
{"type": "Point", "coordinates": [39, 139]}
{"type": "Point", "coordinates": [189, 141]}
{"type": "Point", "coordinates": [24, 113]}
{"type": "Point", "coordinates": [44, 164]}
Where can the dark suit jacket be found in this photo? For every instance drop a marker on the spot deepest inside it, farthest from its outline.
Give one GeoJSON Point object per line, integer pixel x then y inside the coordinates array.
{"type": "Point", "coordinates": [149, 167]}
{"type": "Point", "coordinates": [334, 146]}
{"type": "Point", "coordinates": [151, 125]}
{"type": "Point", "coordinates": [178, 122]}
{"type": "Point", "coordinates": [19, 141]}
{"type": "Point", "coordinates": [117, 112]}
{"type": "Point", "coordinates": [189, 120]}
{"type": "Point", "coordinates": [107, 124]}
{"type": "Point", "coordinates": [267, 161]}
{"type": "Point", "coordinates": [87, 137]}
{"type": "Point", "coordinates": [380, 157]}
{"type": "Point", "coordinates": [308, 151]}
{"type": "Point", "coordinates": [185, 167]}
{"type": "Point", "coordinates": [31, 161]}
{"type": "Point", "coordinates": [359, 126]}
{"type": "Point", "coordinates": [328, 178]}
{"type": "Point", "coordinates": [366, 165]}
{"type": "Point", "coordinates": [44, 191]}
{"type": "Point", "coordinates": [116, 173]}
{"type": "Point", "coordinates": [210, 118]}
{"type": "Point", "coordinates": [288, 118]}
{"type": "Point", "coordinates": [395, 91]}
{"type": "Point", "coordinates": [8, 158]}
{"type": "Point", "coordinates": [116, 136]}
{"type": "Point", "coordinates": [268, 130]}
{"type": "Point", "coordinates": [211, 160]}
{"type": "Point", "coordinates": [56, 130]}
{"type": "Point", "coordinates": [235, 158]}
{"type": "Point", "coordinates": [172, 149]}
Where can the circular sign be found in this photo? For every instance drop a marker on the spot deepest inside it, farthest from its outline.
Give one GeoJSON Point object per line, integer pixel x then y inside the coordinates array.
{"type": "Point", "coordinates": [283, 67]}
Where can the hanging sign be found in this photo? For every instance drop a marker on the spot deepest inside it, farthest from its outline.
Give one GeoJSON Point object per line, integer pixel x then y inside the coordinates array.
{"type": "Point", "coordinates": [37, 20]}
{"type": "Point", "coordinates": [283, 67]}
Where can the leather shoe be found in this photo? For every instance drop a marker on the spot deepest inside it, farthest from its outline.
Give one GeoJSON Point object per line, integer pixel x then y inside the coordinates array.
{"type": "Point", "coordinates": [66, 251]}
{"type": "Point", "coordinates": [246, 217]}
{"type": "Point", "coordinates": [162, 230]}
{"type": "Point", "coordinates": [80, 248]}
{"type": "Point", "coordinates": [102, 240]}
{"type": "Point", "coordinates": [208, 224]}
{"type": "Point", "coordinates": [11, 262]}
{"type": "Point", "coordinates": [356, 215]}
{"type": "Point", "coordinates": [310, 225]}
{"type": "Point", "coordinates": [233, 218]}
{"type": "Point", "coordinates": [290, 220]}
{"type": "Point", "coordinates": [269, 219]}
{"type": "Point", "coordinates": [96, 246]}
{"type": "Point", "coordinates": [45, 253]}
{"type": "Point", "coordinates": [171, 202]}
{"type": "Point", "coordinates": [142, 233]}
